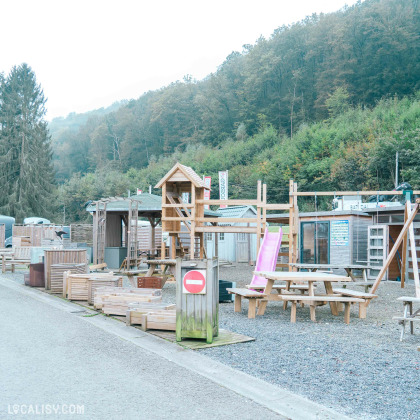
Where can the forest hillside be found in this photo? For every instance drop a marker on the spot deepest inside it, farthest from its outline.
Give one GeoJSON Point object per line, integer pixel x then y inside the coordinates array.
{"type": "Point", "coordinates": [326, 101]}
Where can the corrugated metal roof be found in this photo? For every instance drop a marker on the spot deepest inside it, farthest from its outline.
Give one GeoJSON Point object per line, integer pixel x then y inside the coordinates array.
{"type": "Point", "coordinates": [235, 211]}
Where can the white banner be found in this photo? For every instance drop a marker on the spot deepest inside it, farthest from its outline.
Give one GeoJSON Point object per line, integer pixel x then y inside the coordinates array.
{"type": "Point", "coordinates": [207, 183]}
{"type": "Point", "coordinates": [223, 186]}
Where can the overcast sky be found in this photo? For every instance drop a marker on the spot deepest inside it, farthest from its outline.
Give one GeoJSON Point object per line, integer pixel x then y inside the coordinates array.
{"type": "Point", "coordinates": [87, 54]}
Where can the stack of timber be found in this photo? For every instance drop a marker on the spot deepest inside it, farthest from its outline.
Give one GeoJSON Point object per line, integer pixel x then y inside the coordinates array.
{"type": "Point", "coordinates": [102, 293]}
{"type": "Point", "coordinates": [152, 316]}
{"type": "Point", "coordinates": [62, 256]}
{"type": "Point", "coordinates": [57, 274]}
{"type": "Point", "coordinates": [117, 302]}
{"type": "Point", "coordinates": [98, 280]}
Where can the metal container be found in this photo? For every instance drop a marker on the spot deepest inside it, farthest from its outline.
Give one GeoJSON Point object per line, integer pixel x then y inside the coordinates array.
{"type": "Point", "coordinates": [197, 299]}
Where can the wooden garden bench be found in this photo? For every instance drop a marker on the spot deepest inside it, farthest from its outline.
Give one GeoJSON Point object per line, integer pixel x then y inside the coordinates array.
{"type": "Point", "coordinates": [408, 315]}
{"type": "Point", "coordinates": [21, 255]}
{"type": "Point", "coordinates": [314, 299]}
{"type": "Point", "coordinates": [355, 293]}
{"type": "Point", "coordinates": [252, 297]}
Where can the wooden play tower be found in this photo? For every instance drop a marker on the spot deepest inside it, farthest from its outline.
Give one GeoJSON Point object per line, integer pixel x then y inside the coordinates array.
{"type": "Point", "coordinates": [182, 179]}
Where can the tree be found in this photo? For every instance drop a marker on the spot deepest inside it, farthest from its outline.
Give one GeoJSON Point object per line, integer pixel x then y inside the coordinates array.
{"type": "Point", "coordinates": [25, 147]}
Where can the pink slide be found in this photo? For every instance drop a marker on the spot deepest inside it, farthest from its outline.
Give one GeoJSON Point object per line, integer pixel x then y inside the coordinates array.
{"type": "Point", "coordinates": [267, 256]}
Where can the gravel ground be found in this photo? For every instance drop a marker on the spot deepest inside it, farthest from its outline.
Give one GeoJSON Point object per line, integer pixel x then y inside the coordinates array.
{"type": "Point", "coordinates": [361, 369]}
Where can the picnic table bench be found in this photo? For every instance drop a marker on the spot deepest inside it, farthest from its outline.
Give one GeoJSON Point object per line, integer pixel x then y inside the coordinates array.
{"type": "Point", "coordinates": [357, 294]}
{"type": "Point", "coordinates": [251, 295]}
{"type": "Point", "coordinates": [255, 292]}
{"type": "Point", "coordinates": [409, 316]}
{"type": "Point", "coordinates": [312, 300]}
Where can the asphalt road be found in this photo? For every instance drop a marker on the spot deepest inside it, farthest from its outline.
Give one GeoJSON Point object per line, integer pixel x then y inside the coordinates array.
{"type": "Point", "coordinates": [53, 360]}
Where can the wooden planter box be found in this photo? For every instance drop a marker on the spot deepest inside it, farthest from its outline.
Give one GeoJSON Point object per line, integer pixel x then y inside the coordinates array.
{"type": "Point", "coordinates": [149, 282]}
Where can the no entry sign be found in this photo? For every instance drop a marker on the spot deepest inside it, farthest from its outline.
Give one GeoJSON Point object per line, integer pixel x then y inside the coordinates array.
{"type": "Point", "coordinates": [194, 282]}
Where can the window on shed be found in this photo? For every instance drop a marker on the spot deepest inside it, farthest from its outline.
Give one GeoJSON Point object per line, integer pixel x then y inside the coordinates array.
{"type": "Point", "coordinates": [221, 236]}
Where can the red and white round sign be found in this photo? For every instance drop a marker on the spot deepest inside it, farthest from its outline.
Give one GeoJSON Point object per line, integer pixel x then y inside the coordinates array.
{"type": "Point", "coordinates": [194, 282]}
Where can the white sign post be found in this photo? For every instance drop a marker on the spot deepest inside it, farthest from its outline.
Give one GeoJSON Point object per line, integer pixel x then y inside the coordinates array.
{"type": "Point", "coordinates": [223, 187]}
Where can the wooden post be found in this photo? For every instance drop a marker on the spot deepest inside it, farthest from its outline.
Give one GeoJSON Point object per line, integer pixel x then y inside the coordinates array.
{"type": "Point", "coordinates": [193, 222]}
{"type": "Point", "coordinates": [95, 234]}
{"type": "Point", "coordinates": [258, 216]}
{"type": "Point", "coordinates": [413, 252]}
{"type": "Point", "coordinates": [395, 248]}
{"type": "Point", "coordinates": [216, 243]}
{"type": "Point", "coordinates": [173, 246]}
{"type": "Point", "coordinates": [202, 248]}
{"type": "Point", "coordinates": [291, 224]}
{"type": "Point", "coordinates": [164, 200]}
{"type": "Point", "coordinates": [296, 225]}
{"type": "Point", "coordinates": [264, 211]}
{"type": "Point", "coordinates": [404, 250]}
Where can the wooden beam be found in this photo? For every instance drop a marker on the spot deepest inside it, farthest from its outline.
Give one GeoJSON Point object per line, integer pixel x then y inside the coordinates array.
{"type": "Point", "coordinates": [332, 193]}
{"type": "Point", "coordinates": [227, 229]}
{"type": "Point", "coordinates": [177, 219]}
{"type": "Point", "coordinates": [395, 248]}
{"type": "Point", "coordinates": [276, 206]}
{"type": "Point", "coordinates": [227, 219]}
{"type": "Point", "coordinates": [228, 202]}
{"type": "Point", "coordinates": [188, 206]}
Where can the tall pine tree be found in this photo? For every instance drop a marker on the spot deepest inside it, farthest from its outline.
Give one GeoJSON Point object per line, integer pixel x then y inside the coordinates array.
{"type": "Point", "coordinates": [26, 171]}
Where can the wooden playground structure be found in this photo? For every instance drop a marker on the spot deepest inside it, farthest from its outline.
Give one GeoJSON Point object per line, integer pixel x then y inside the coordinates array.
{"type": "Point", "coordinates": [182, 179]}
{"type": "Point", "coordinates": [178, 217]}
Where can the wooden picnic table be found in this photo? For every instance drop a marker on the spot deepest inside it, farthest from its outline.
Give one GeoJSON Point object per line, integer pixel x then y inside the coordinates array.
{"type": "Point", "coordinates": [153, 264]}
{"type": "Point", "coordinates": [301, 277]}
{"type": "Point", "coordinates": [347, 267]}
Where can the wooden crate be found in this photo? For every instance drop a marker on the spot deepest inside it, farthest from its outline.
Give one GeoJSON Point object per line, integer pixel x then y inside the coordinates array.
{"type": "Point", "coordinates": [62, 256]}
{"type": "Point", "coordinates": [57, 274]}
{"type": "Point", "coordinates": [149, 282]}
{"type": "Point", "coordinates": [158, 319]}
{"type": "Point", "coordinates": [118, 304]}
{"type": "Point", "coordinates": [98, 281]}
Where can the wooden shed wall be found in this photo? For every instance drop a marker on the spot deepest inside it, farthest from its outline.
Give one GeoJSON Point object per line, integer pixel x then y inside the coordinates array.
{"type": "Point", "coordinates": [82, 233]}
{"type": "Point", "coordinates": [113, 230]}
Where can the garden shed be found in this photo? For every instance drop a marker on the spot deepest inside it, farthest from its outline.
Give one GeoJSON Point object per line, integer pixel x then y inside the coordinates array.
{"type": "Point", "coordinates": [334, 237]}
{"type": "Point", "coordinates": [234, 247]}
